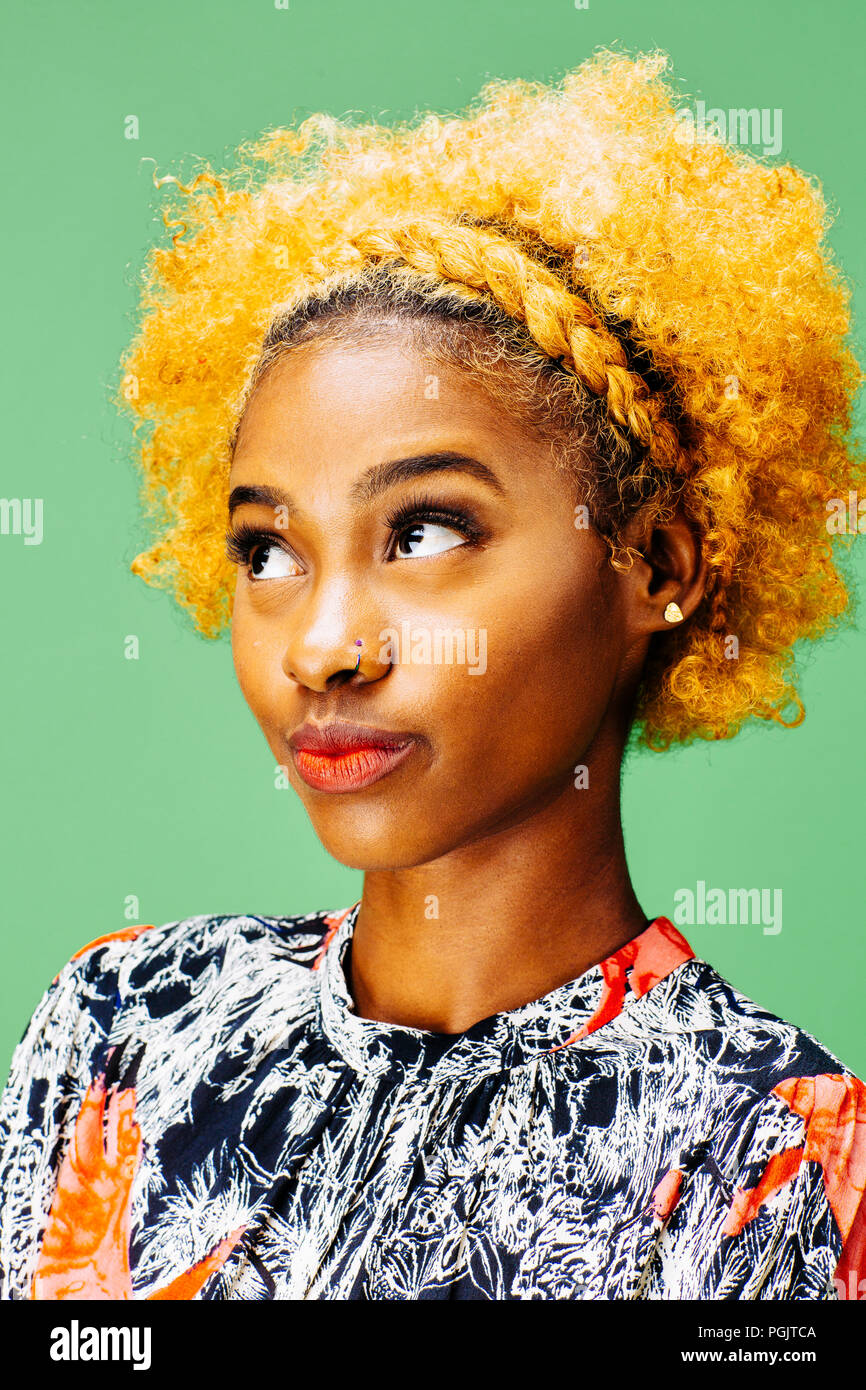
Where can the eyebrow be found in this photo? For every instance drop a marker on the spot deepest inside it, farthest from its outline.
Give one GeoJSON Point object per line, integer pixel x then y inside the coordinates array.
{"type": "Point", "coordinates": [377, 479]}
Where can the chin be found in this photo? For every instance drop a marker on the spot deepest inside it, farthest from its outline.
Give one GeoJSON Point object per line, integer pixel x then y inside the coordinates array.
{"type": "Point", "coordinates": [380, 847]}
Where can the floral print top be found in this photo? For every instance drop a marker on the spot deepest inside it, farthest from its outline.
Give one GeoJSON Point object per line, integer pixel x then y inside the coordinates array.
{"type": "Point", "coordinates": [196, 1111]}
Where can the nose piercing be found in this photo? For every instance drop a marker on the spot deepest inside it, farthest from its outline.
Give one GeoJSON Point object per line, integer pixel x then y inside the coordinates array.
{"type": "Point", "coordinates": [358, 643]}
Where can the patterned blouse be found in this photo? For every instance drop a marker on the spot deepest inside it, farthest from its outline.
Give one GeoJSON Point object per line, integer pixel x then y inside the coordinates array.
{"type": "Point", "coordinates": [196, 1111]}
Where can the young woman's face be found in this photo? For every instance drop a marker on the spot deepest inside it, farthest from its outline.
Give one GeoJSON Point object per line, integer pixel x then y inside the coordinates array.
{"type": "Point", "coordinates": [479, 561]}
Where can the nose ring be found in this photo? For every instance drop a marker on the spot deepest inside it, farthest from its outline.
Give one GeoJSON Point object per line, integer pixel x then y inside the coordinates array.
{"type": "Point", "coordinates": [358, 643]}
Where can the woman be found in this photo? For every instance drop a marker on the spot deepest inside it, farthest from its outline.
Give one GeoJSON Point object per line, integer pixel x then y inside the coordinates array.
{"type": "Point", "coordinates": [533, 460]}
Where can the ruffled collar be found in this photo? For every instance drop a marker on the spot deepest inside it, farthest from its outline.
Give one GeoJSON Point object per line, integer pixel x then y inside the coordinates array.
{"type": "Point", "coordinates": [565, 1016]}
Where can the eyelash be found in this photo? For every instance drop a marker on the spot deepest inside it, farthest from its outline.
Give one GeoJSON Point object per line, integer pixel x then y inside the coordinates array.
{"type": "Point", "coordinates": [243, 539]}
{"type": "Point", "coordinates": [420, 509]}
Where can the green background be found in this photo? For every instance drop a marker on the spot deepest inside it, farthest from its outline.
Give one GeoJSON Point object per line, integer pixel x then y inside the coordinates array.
{"type": "Point", "coordinates": [150, 777]}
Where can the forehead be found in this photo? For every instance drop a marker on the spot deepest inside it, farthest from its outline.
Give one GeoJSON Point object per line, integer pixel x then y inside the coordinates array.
{"type": "Point", "coordinates": [365, 397]}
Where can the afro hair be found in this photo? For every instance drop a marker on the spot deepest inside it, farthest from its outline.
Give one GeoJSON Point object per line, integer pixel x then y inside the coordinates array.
{"type": "Point", "coordinates": [670, 301]}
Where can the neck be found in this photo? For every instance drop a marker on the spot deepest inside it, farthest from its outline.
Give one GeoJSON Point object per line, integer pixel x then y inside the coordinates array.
{"type": "Point", "coordinates": [500, 921]}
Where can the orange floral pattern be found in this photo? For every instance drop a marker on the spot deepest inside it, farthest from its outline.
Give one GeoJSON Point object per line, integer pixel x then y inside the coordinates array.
{"type": "Point", "coordinates": [834, 1110]}
{"type": "Point", "coordinates": [85, 1249]}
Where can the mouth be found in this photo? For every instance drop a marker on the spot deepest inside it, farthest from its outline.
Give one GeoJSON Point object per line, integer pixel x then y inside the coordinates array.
{"type": "Point", "coordinates": [342, 757]}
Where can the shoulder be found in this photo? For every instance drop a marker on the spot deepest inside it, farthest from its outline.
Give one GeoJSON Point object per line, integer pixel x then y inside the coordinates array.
{"type": "Point", "coordinates": [188, 947]}
{"type": "Point", "coordinates": [755, 1081]}
{"type": "Point", "coordinates": [152, 977]}
{"type": "Point", "coordinates": [766, 1130]}
{"type": "Point", "coordinates": [154, 974]}
{"type": "Point", "coordinates": [731, 1035]}
{"type": "Point", "coordinates": [789, 1131]}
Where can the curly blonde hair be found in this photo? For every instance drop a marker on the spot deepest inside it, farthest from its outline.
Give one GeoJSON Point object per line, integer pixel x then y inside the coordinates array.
{"type": "Point", "coordinates": [663, 309]}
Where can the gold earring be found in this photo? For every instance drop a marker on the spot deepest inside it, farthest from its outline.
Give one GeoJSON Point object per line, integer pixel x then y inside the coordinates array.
{"type": "Point", "coordinates": [673, 613]}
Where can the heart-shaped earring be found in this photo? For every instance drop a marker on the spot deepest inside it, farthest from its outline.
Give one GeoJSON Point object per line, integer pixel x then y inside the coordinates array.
{"type": "Point", "coordinates": [673, 613]}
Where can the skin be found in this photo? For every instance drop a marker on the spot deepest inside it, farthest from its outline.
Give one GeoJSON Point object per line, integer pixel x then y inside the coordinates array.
{"type": "Point", "coordinates": [527, 872]}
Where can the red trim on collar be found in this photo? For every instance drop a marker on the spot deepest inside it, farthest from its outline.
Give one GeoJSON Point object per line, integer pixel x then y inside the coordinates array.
{"type": "Point", "coordinates": [333, 921]}
{"type": "Point", "coordinates": [646, 959]}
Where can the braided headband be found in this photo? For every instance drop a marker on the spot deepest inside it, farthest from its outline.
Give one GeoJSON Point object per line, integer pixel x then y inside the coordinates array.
{"type": "Point", "coordinates": [480, 262]}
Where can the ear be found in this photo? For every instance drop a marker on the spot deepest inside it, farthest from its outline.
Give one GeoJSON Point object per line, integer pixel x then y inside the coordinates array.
{"type": "Point", "coordinates": [668, 568]}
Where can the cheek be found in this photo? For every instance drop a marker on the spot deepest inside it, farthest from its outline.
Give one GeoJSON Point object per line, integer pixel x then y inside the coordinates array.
{"type": "Point", "coordinates": [256, 666]}
{"type": "Point", "coordinates": [550, 668]}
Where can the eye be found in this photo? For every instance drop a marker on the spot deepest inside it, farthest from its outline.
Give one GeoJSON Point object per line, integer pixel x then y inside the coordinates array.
{"type": "Point", "coordinates": [260, 555]}
{"type": "Point", "coordinates": [426, 538]}
{"type": "Point", "coordinates": [270, 561]}
{"type": "Point", "coordinates": [422, 526]}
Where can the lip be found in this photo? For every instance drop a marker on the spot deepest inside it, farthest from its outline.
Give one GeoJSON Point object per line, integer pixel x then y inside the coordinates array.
{"type": "Point", "coordinates": [341, 757]}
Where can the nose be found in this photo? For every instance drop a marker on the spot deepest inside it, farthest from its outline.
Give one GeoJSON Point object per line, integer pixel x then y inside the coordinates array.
{"type": "Point", "coordinates": [332, 640]}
